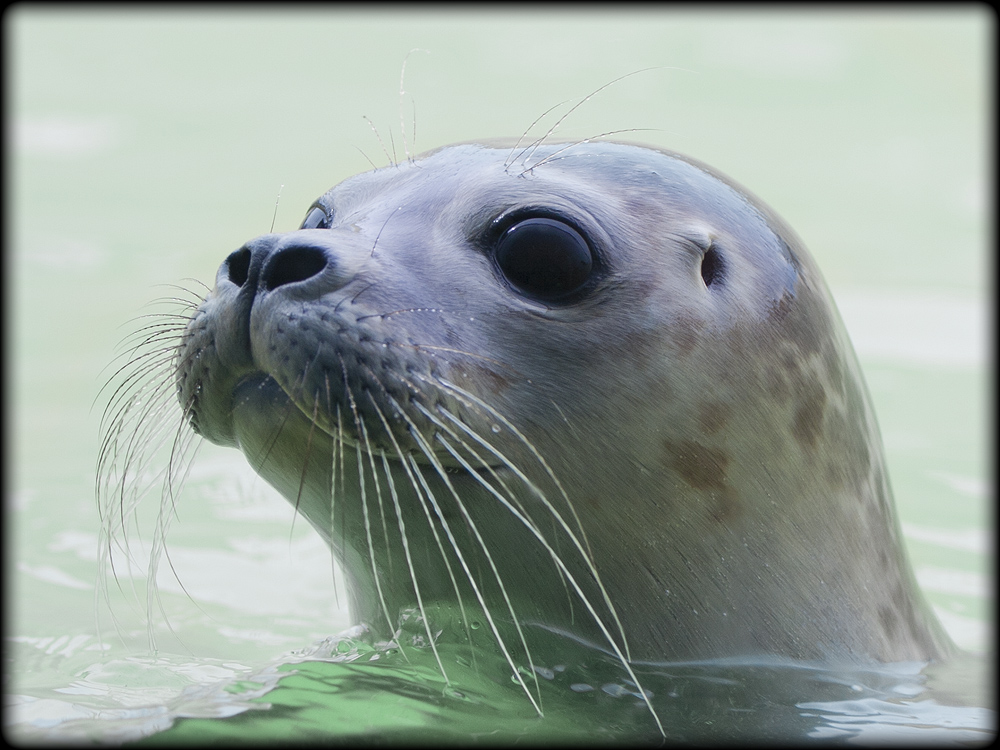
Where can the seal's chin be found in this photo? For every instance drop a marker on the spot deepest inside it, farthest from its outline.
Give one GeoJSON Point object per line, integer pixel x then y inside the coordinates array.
{"type": "Point", "coordinates": [261, 408]}
{"type": "Point", "coordinates": [264, 414]}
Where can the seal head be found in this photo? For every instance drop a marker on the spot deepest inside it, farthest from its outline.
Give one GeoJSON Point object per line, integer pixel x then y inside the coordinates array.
{"type": "Point", "coordinates": [594, 387]}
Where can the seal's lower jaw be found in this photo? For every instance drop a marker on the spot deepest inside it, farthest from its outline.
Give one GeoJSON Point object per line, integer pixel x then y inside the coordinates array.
{"type": "Point", "coordinates": [265, 419]}
{"type": "Point", "coordinates": [261, 407]}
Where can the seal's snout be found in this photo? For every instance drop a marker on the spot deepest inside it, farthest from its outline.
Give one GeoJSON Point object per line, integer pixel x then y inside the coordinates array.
{"type": "Point", "coordinates": [254, 285]}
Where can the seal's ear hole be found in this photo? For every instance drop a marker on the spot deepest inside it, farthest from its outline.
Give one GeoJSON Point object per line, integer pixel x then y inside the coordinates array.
{"type": "Point", "coordinates": [712, 266]}
{"type": "Point", "coordinates": [238, 266]}
{"type": "Point", "coordinates": [544, 258]}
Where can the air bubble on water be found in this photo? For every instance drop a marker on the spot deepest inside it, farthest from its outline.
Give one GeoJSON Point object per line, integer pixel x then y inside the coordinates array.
{"type": "Point", "coordinates": [615, 690]}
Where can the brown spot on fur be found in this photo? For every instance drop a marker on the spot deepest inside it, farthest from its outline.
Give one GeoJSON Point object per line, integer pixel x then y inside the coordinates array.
{"type": "Point", "coordinates": [783, 370]}
{"type": "Point", "coordinates": [492, 381]}
{"type": "Point", "coordinates": [790, 359]}
{"type": "Point", "coordinates": [776, 382]}
{"type": "Point", "coordinates": [723, 504]}
{"type": "Point", "coordinates": [849, 465]}
{"type": "Point", "coordinates": [780, 308]}
{"type": "Point", "coordinates": [685, 334]}
{"type": "Point", "coordinates": [701, 467]}
{"type": "Point", "coordinates": [807, 324]}
{"type": "Point", "coordinates": [808, 421]}
{"type": "Point", "coordinates": [640, 348]}
{"type": "Point", "coordinates": [704, 469]}
{"type": "Point", "coordinates": [834, 366]}
{"type": "Point", "coordinates": [712, 417]}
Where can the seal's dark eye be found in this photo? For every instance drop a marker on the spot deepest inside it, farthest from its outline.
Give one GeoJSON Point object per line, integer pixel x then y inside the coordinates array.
{"type": "Point", "coordinates": [712, 266]}
{"type": "Point", "coordinates": [316, 219]}
{"type": "Point", "coordinates": [544, 258]}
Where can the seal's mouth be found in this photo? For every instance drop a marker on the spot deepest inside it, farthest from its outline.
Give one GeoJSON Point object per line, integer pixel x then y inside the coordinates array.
{"type": "Point", "coordinates": [261, 406]}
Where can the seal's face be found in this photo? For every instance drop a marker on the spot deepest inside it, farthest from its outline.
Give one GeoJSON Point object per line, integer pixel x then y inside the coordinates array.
{"type": "Point", "coordinates": [460, 266]}
{"type": "Point", "coordinates": [596, 368]}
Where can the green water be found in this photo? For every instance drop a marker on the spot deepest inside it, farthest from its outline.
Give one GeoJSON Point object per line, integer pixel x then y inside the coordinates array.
{"type": "Point", "coordinates": [144, 147]}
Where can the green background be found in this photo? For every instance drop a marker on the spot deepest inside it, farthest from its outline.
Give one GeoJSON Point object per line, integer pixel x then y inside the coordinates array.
{"type": "Point", "coordinates": [145, 146]}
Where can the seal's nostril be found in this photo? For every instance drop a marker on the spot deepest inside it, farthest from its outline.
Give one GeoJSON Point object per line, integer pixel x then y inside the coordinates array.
{"type": "Point", "coordinates": [238, 264]}
{"type": "Point", "coordinates": [292, 264]}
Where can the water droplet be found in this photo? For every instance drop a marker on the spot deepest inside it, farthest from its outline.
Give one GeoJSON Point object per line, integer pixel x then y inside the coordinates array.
{"type": "Point", "coordinates": [545, 672]}
{"type": "Point", "coordinates": [616, 691]}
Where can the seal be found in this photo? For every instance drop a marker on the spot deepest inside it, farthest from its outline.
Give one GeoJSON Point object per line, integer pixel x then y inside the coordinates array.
{"type": "Point", "coordinates": [593, 388]}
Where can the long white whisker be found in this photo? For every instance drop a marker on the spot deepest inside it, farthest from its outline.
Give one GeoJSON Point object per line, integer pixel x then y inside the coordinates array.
{"type": "Point", "coordinates": [166, 512]}
{"type": "Point", "coordinates": [378, 492]}
{"type": "Point", "coordinates": [571, 110]}
{"type": "Point", "coordinates": [586, 553]}
{"type": "Point", "coordinates": [510, 496]}
{"type": "Point", "coordinates": [409, 564]}
{"type": "Point", "coordinates": [429, 453]}
{"type": "Point", "coordinates": [553, 156]}
{"type": "Point", "coordinates": [359, 425]}
{"type": "Point", "coordinates": [336, 449]}
{"type": "Point", "coordinates": [380, 142]}
{"type": "Point", "coordinates": [510, 157]}
{"type": "Point", "coordinates": [472, 581]}
{"type": "Point", "coordinates": [527, 443]}
{"type": "Point", "coordinates": [430, 521]}
{"type": "Point", "coordinates": [405, 543]}
{"type": "Point", "coordinates": [566, 572]}
{"type": "Point", "coordinates": [402, 93]}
